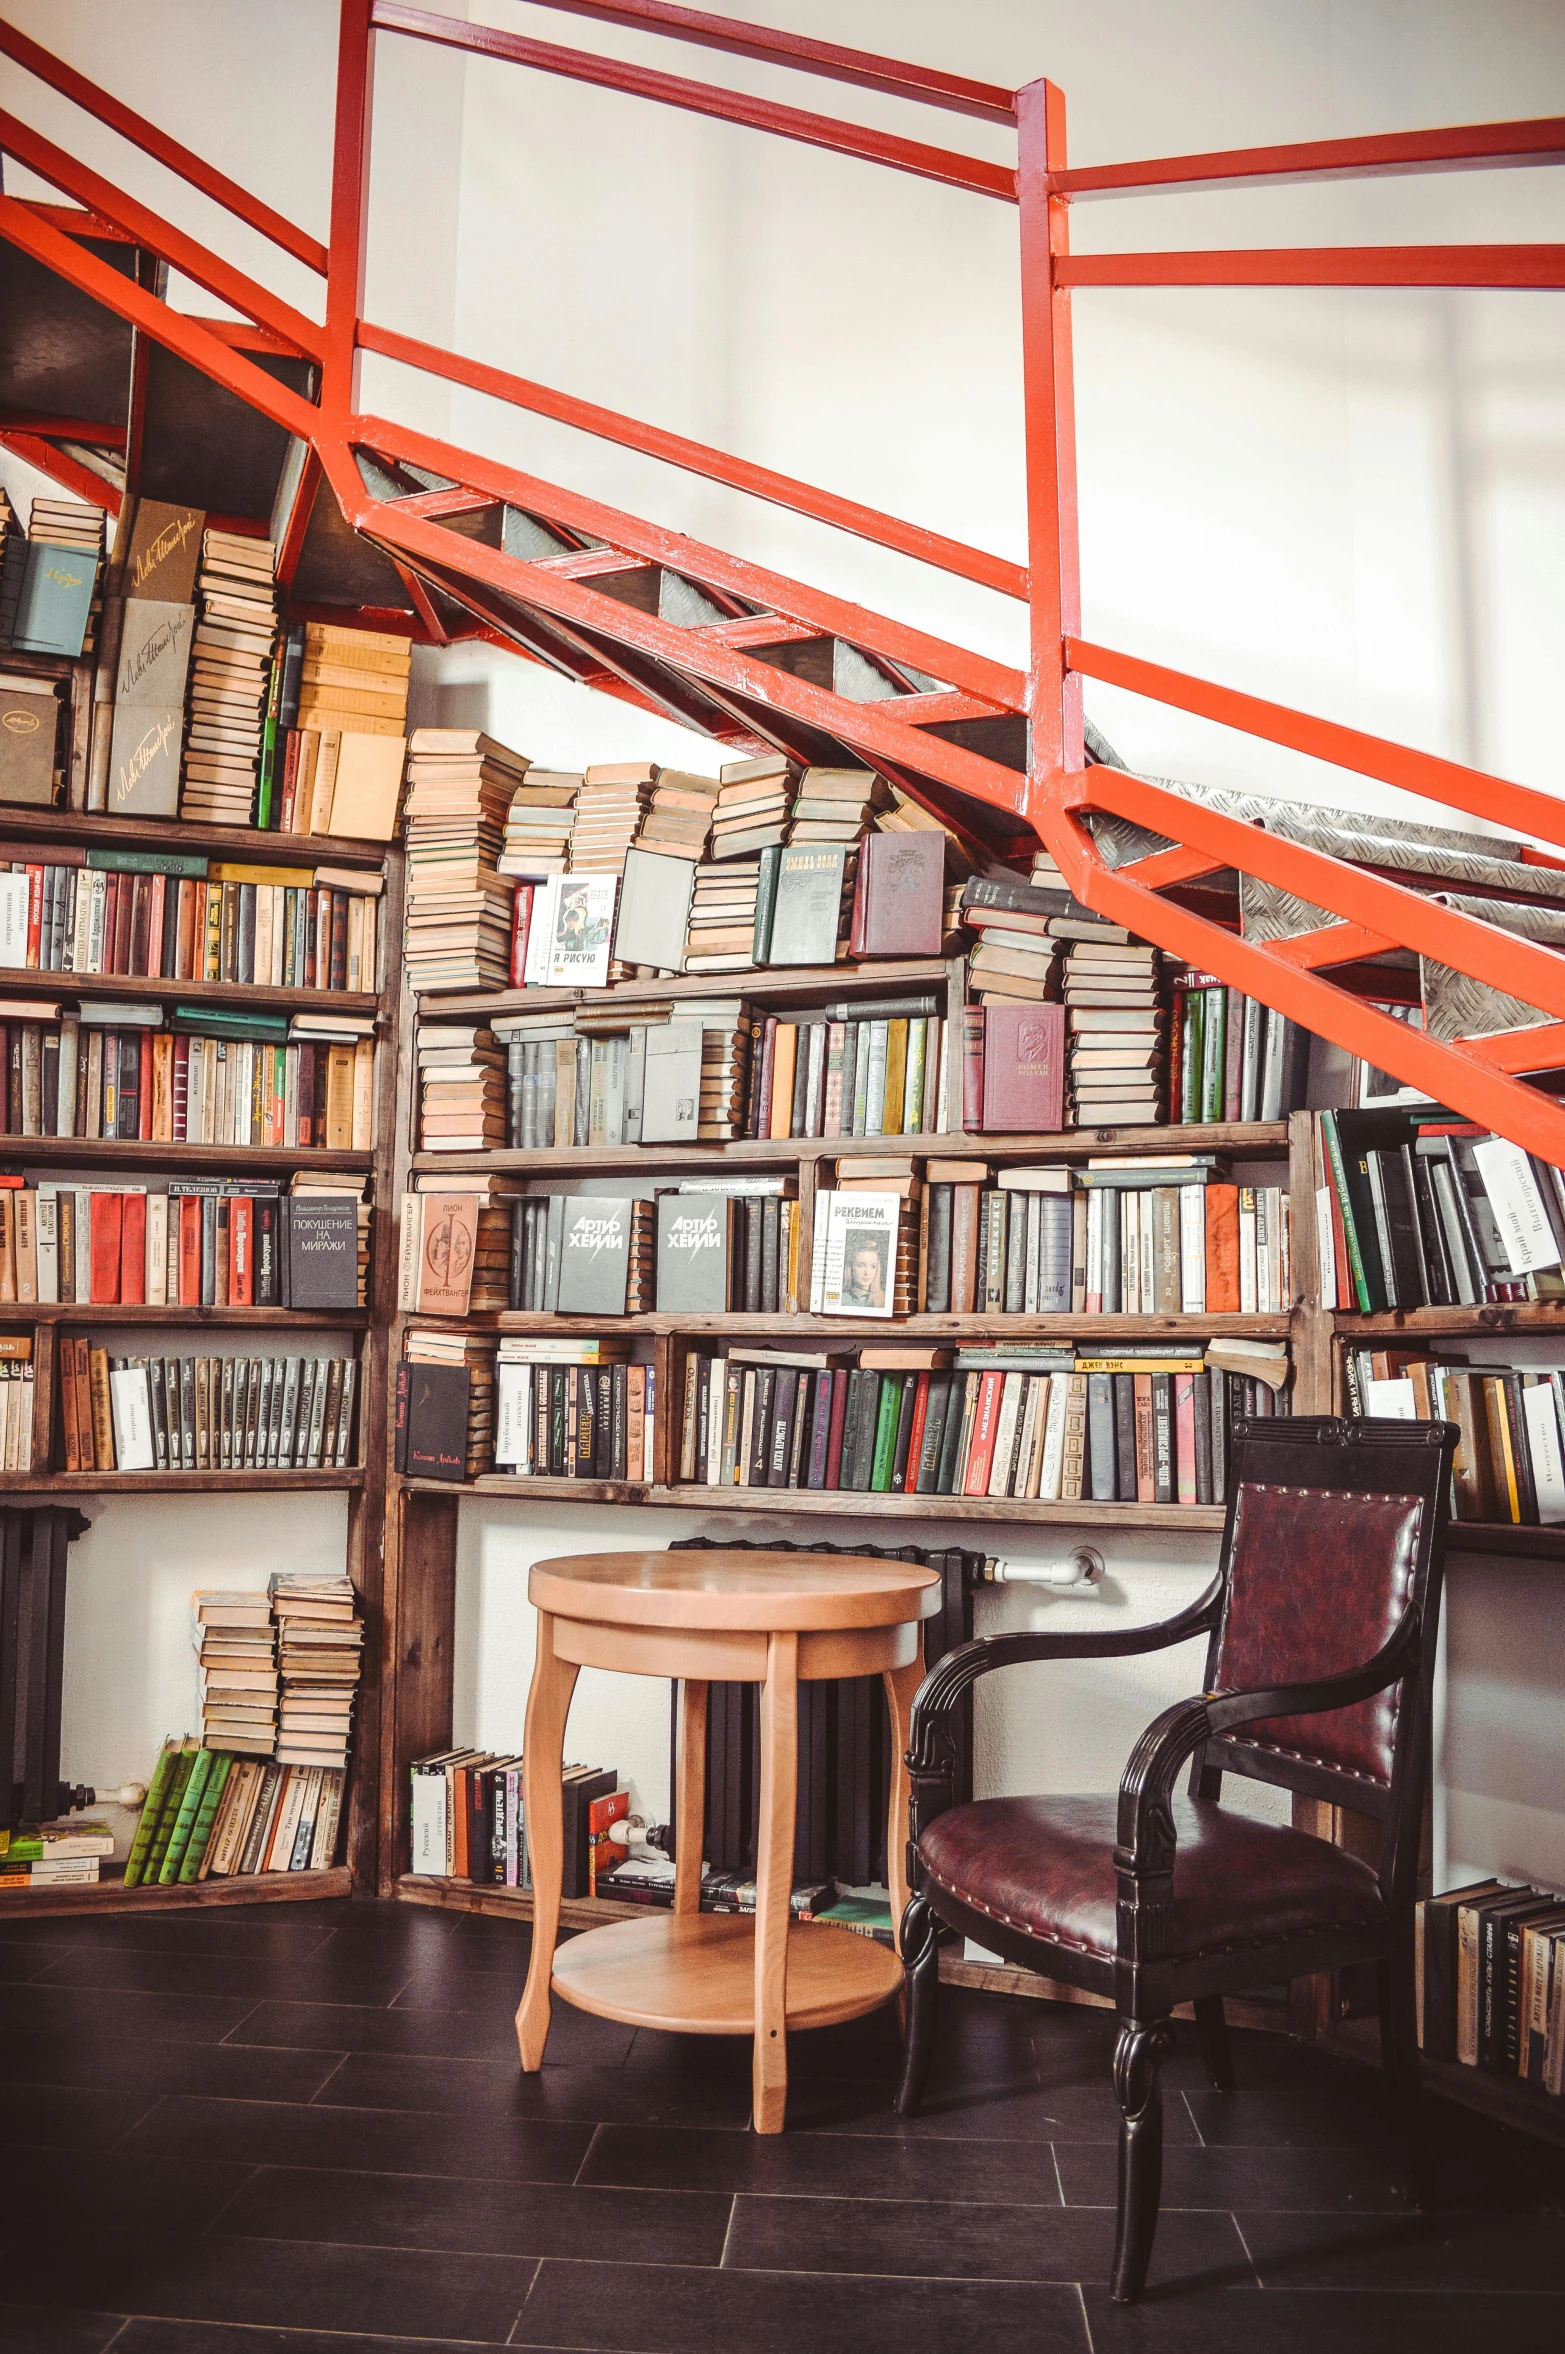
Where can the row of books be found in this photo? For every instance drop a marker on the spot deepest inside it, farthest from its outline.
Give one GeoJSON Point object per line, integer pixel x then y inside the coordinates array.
{"type": "Point", "coordinates": [1430, 1212]}
{"type": "Point", "coordinates": [1044, 1424]}
{"type": "Point", "coordinates": [1510, 1462]}
{"type": "Point", "coordinates": [851, 1070]}
{"type": "Point", "coordinates": [232, 660]}
{"type": "Point", "coordinates": [1491, 1980]}
{"type": "Point", "coordinates": [17, 1392]}
{"type": "Point", "coordinates": [211, 1814]}
{"type": "Point", "coordinates": [1230, 1057]}
{"type": "Point", "coordinates": [257, 1079]}
{"type": "Point", "coordinates": [666, 1076]}
{"type": "Point", "coordinates": [707, 1245]}
{"type": "Point", "coordinates": [185, 919]}
{"type": "Point", "coordinates": [191, 1242]}
{"type": "Point", "coordinates": [573, 1410]}
{"type": "Point", "coordinates": [204, 1413]}
{"type": "Point", "coordinates": [468, 1818]}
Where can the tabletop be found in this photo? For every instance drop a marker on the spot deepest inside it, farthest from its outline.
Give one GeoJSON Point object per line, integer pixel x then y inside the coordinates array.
{"type": "Point", "coordinates": [777, 1593]}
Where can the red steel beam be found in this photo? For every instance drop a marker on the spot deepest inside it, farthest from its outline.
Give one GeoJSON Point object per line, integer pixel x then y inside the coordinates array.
{"type": "Point", "coordinates": [752, 583]}
{"type": "Point", "coordinates": [1540, 1049]}
{"type": "Point", "coordinates": [62, 428]}
{"type": "Point", "coordinates": [1053, 541]}
{"type": "Point", "coordinates": [76, 222]}
{"type": "Point", "coordinates": [350, 182]}
{"type": "Point", "coordinates": [1494, 800]}
{"type": "Point", "coordinates": [1333, 944]}
{"type": "Point", "coordinates": [652, 441]}
{"type": "Point", "coordinates": [161, 147]}
{"type": "Point", "coordinates": [175, 331]}
{"type": "Point", "coordinates": [148, 228]}
{"type": "Point", "coordinates": [1324, 265]}
{"type": "Point", "coordinates": [1458, 147]}
{"type": "Point", "coordinates": [821, 58]}
{"type": "Point", "coordinates": [1451, 1074]}
{"type": "Point", "coordinates": [67, 471]}
{"type": "Point", "coordinates": [941, 164]}
{"type": "Point", "coordinates": [1164, 867]}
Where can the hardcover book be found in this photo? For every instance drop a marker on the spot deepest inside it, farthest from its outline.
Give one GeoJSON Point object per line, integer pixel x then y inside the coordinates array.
{"type": "Point", "coordinates": [1023, 1068]}
{"type": "Point", "coordinates": [807, 914]}
{"type": "Point", "coordinates": [902, 895]}
{"type": "Point", "coordinates": [164, 553]}
{"type": "Point", "coordinates": [671, 1091]}
{"type": "Point", "coordinates": [594, 1255]}
{"type": "Point", "coordinates": [29, 726]}
{"type": "Point", "coordinates": [583, 930]}
{"type": "Point", "coordinates": [322, 1251]}
{"type": "Point", "coordinates": [860, 1254]}
{"type": "Point", "coordinates": [437, 1421]}
{"type": "Point", "coordinates": [654, 910]}
{"type": "Point", "coordinates": [693, 1248]}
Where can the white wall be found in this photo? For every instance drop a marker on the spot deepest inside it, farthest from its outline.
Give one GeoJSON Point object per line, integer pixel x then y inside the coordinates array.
{"type": "Point", "coordinates": [1352, 501]}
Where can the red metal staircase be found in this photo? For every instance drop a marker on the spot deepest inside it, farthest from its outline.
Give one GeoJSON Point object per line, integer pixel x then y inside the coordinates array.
{"type": "Point", "coordinates": [102, 382]}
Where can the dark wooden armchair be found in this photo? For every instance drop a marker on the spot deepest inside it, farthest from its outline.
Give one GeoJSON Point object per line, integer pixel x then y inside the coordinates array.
{"type": "Point", "coordinates": [1321, 1624]}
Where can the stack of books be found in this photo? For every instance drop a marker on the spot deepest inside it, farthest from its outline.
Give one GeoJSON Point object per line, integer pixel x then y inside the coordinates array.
{"type": "Point", "coordinates": [209, 1813]}
{"type": "Point", "coordinates": [231, 661]}
{"type": "Point", "coordinates": [462, 1090]}
{"type": "Point", "coordinates": [320, 1642]}
{"type": "Point", "coordinates": [721, 933]}
{"type": "Point", "coordinates": [538, 824]}
{"type": "Point", "coordinates": [574, 1409]}
{"type": "Point", "coordinates": [1016, 956]}
{"type": "Point", "coordinates": [754, 806]}
{"type": "Point", "coordinates": [68, 1854]}
{"type": "Point", "coordinates": [354, 682]}
{"type": "Point", "coordinates": [343, 705]}
{"type": "Point", "coordinates": [725, 1065]}
{"type": "Point", "coordinates": [836, 804]}
{"type": "Point", "coordinates": [679, 822]}
{"type": "Point", "coordinates": [66, 523]}
{"type": "Point", "coordinates": [48, 583]}
{"type": "Point", "coordinates": [236, 1646]}
{"type": "Point", "coordinates": [459, 904]}
{"type": "Point", "coordinates": [613, 800]}
{"type": "Point", "coordinates": [445, 1405]}
{"type": "Point", "coordinates": [1118, 1025]}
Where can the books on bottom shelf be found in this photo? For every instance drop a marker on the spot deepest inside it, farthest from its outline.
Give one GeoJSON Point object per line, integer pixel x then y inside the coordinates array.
{"type": "Point", "coordinates": [1149, 1425]}
{"type": "Point", "coordinates": [211, 1814]}
{"type": "Point", "coordinates": [16, 1401]}
{"type": "Point", "coordinates": [468, 1819]}
{"type": "Point", "coordinates": [66, 1854]}
{"type": "Point", "coordinates": [1491, 1980]}
{"type": "Point", "coordinates": [1510, 1459]}
{"type": "Point", "coordinates": [320, 1648]}
{"type": "Point", "coordinates": [574, 1410]}
{"type": "Point", "coordinates": [204, 1413]}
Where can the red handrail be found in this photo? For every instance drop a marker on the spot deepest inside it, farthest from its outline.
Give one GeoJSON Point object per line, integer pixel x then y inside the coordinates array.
{"type": "Point", "coordinates": [1461, 147]}
{"type": "Point", "coordinates": [1323, 265]}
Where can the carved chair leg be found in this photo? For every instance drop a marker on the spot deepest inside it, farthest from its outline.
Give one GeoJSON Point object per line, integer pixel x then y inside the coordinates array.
{"type": "Point", "coordinates": [1397, 1994]}
{"type": "Point", "coordinates": [1211, 2027]}
{"type": "Point", "coordinates": [1142, 2045]}
{"type": "Point", "coordinates": [921, 1964]}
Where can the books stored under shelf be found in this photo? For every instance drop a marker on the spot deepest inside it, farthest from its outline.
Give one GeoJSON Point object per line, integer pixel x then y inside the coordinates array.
{"type": "Point", "coordinates": [66, 1854]}
{"type": "Point", "coordinates": [574, 1409]}
{"type": "Point", "coordinates": [209, 1413]}
{"type": "Point", "coordinates": [654, 1074]}
{"type": "Point", "coordinates": [211, 1813]}
{"type": "Point", "coordinates": [121, 1071]}
{"type": "Point", "coordinates": [187, 1242]}
{"type": "Point", "coordinates": [1415, 1209]}
{"type": "Point", "coordinates": [1148, 1425]}
{"type": "Point", "coordinates": [1510, 1461]}
{"type": "Point", "coordinates": [1491, 1984]}
{"type": "Point", "coordinates": [173, 915]}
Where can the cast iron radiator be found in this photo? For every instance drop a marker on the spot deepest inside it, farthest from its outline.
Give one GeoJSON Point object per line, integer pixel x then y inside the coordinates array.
{"type": "Point", "coordinates": [33, 1544]}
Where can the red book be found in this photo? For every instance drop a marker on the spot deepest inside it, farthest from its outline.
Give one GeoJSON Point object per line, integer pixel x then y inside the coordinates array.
{"type": "Point", "coordinates": [241, 1252]}
{"type": "Point", "coordinates": [123, 902]}
{"type": "Point", "coordinates": [157, 902]}
{"type": "Point", "coordinates": [901, 893]}
{"type": "Point", "coordinates": [1023, 1068]}
{"type": "Point", "coordinates": [144, 1099]}
{"type": "Point", "coordinates": [973, 1036]}
{"type": "Point", "coordinates": [980, 1454]}
{"type": "Point", "coordinates": [915, 1436]}
{"type": "Point", "coordinates": [190, 1251]}
{"type": "Point", "coordinates": [133, 1250]}
{"type": "Point", "coordinates": [1184, 1437]}
{"type": "Point", "coordinates": [34, 916]}
{"type": "Point", "coordinates": [306, 1135]}
{"type": "Point", "coordinates": [521, 926]}
{"type": "Point", "coordinates": [104, 1249]}
{"type": "Point", "coordinates": [185, 942]}
{"type": "Point", "coordinates": [1222, 1250]}
{"type": "Point", "coordinates": [839, 1416]}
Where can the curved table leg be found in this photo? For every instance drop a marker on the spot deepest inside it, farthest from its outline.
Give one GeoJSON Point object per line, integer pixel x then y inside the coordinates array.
{"type": "Point", "coordinates": [901, 1683]}
{"type": "Point", "coordinates": [548, 1704]}
{"type": "Point", "coordinates": [774, 1880]}
{"type": "Point", "coordinates": [690, 1797]}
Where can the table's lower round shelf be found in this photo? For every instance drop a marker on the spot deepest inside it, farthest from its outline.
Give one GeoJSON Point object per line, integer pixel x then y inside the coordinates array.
{"type": "Point", "coordinates": [694, 1973]}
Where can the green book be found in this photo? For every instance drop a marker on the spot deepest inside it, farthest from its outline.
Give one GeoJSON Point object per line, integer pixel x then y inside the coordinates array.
{"type": "Point", "coordinates": [867, 1916]}
{"type": "Point", "coordinates": [1339, 1179]}
{"type": "Point", "coordinates": [55, 603]}
{"type": "Point", "coordinates": [886, 1433]}
{"type": "Point", "coordinates": [150, 862]}
{"type": "Point", "coordinates": [185, 1820]}
{"type": "Point", "coordinates": [1191, 1049]}
{"type": "Point", "coordinates": [1214, 1034]}
{"type": "Point", "coordinates": [766, 902]}
{"type": "Point", "coordinates": [185, 1758]}
{"type": "Point", "coordinates": [151, 1808]}
{"type": "Point", "coordinates": [214, 1024]}
{"type": "Point", "coordinates": [269, 733]}
{"type": "Point", "coordinates": [206, 1814]}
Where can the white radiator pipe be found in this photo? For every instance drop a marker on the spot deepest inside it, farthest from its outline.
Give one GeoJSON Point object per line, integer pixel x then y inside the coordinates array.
{"type": "Point", "coordinates": [1084, 1567]}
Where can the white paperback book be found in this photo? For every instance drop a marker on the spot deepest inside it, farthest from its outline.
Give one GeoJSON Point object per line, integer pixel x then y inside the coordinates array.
{"type": "Point", "coordinates": [859, 1274]}
{"type": "Point", "coordinates": [1518, 1206]}
{"type": "Point", "coordinates": [1543, 1442]}
{"type": "Point", "coordinates": [132, 1411]}
{"type": "Point", "coordinates": [513, 1416]}
{"type": "Point", "coordinates": [14, 890]}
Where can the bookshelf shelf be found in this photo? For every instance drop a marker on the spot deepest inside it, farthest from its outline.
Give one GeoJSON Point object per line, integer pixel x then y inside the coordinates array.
{"type": "Point", "coordinates": [771, 984]}
{"type": "Point", "coordinates": [849, 1503]}
{"type": "Point", "coordinates": [173, 1483]}
{"type": "Point", "coordinates": [233, 845]}
{"type": "Point", "coordinates": [139, 989]}
{"type": "Point", "coordinates": [818, 1332]}
{"type": "Point", "coordinates": [1504, 2098]}
{"type": "Point", "coordinates": [1519, 1316]}
{"type": "Point", "coordinates": [1254, 1139]}
{"type": "Point", "coordinates": [114, 1152]}
{"type": "Point", "coordinates": [111, 1895]}
{"type": "Point", "coordinates": [111, 1313]}
{"type": "Point", "coordinates": [1526, 1544]}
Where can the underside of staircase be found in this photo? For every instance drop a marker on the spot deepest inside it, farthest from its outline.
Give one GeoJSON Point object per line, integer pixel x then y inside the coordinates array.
{"type": "Point", "coordinates": [106, 387]}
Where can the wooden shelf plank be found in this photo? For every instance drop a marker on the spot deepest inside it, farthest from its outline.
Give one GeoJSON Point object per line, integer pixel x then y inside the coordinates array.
{"type": "Point", "coordinates": [113, 1152]}
{"type": "Point", "coordinates": [1253, 1139]}
{"type": "Point", "coordinates": [1519, 1316]}
{"type": "Point", "coordinates": [823, 1503]}
{"type": "Point", "coordinates": [111, 1896]}
{"type": "Point", "coordinates": [231, 845]}
{"type": "Point", "coordinates": [111, 1312]}
{"type": "Point", "coordinates": [1485, 1536]}
{"type": "Point", "coordinates": [172, 1483]}
{"type": "Point", "coordinates": [139, 989]}
{"type": "Point", "coordinates": [774, 984]}
{"type": "Point", "coordinates": [844, 1331]}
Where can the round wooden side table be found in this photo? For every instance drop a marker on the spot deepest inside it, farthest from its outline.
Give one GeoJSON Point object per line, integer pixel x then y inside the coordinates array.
{"type": "Point", "coordinates": [775, 1619]}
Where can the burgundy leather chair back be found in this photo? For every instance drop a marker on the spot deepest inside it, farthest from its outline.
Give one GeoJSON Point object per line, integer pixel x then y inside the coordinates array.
{"type": "Point", "coordinates": [1333, 1534]}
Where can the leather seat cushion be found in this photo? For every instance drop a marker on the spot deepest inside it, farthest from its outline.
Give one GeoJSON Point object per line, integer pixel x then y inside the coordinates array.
{"type": "Point", "coordinates": [1045, 1866]}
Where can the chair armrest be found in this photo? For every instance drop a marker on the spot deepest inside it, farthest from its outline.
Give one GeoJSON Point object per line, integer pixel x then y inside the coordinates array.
{"type": "Point", "coordinates": [1146, 1822]}
{"type": "Point", "coordinates": [931, 1755]}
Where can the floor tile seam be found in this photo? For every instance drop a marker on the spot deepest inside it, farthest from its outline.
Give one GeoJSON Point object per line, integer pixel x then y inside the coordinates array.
{"type": "Point", "coordinates": [209, 2228]}
{"type": "Point", "coordinates": [110, 2342]}
{"type": "Point", "coordinates": [238, 2023]}
{"type": "Point", "coordinates": [890, 2199]}
{"type": "Point", "coordinates": [424, 2249]}
{"type": "Point", "coordinates": [592, 2139]}
{"type": "Point", "coordinates": [1086, 2318]}
{"type": "Point", "coordinates": [1255, 2269]}
{"type": "Point", "coordinates": [273, 2329]}
{"type": "Point", "coordinates": [733, 2210]}
{"type": "Point", "coordinates": [336, 2068]}
{"type": "Point", "coordinates": [500, 2182]}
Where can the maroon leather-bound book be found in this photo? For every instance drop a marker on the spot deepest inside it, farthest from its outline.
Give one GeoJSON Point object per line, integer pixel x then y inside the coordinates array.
{"type": "Point", "coordinates": [1024, 1068]}
{"type": "Point", "coordinates": [903, 880]}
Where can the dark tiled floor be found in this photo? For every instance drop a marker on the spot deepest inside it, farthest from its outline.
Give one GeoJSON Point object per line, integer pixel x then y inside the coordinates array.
{"type": "Point", "coordinates": [302, 2131]}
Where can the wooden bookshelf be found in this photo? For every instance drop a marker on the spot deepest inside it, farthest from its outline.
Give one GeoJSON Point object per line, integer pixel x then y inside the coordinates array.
{"type": "Point", "coordinates": [763, 984]}
{"type": "Point", "coordinates": [219, 1160]}
{"type": "Point", "coordinates": [110, 1895]}
{"type": "Point", "coordinates": [827, 1332]}
{"type": "Point", "coordinates": [827, 1503]}
{"type": "Point", "coordinates": [220, 996]}
{"type": "Point", "coordinates": [130, 1313]}
{"type": "Point", "coordinates": [176, 1483]}
{"type": "Point", "coordinates": [232, 845]}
